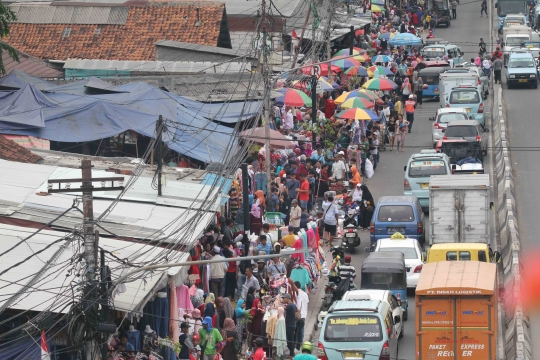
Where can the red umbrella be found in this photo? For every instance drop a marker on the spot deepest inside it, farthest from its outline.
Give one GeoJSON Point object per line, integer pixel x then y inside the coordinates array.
{"type": "Point", "coordinates": [277, 139]}
{"type": "Point", "coordinates": [324, 69]}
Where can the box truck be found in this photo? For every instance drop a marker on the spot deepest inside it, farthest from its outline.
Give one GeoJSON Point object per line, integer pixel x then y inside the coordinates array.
{"type": "Point", "coordinates": [456, 311]}
{"type": "Point", "coordinates": [459, 209]}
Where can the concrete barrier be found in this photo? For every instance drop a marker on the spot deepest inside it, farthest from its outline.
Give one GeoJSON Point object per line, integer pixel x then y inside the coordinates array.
{"type": "Point", "coordinates": [517, 339]}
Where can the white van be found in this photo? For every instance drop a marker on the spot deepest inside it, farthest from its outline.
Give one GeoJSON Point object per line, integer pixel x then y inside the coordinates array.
{"type": "Point", "coordinates": [452, 78]}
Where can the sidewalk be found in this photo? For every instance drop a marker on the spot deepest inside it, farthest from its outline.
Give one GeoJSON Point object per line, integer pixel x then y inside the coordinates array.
{"type": "Point", "coordinates": [315, 303]}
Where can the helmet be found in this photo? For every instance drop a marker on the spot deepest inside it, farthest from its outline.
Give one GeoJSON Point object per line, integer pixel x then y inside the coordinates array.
{"type": "Point", "coordinates": [347, 259]}
{"type": "Point", "coordinates": [196, 337]}
{"type": "Point", "coordinates": [411, 96]}
{"type": "Point", "coordinates": [306, 345]}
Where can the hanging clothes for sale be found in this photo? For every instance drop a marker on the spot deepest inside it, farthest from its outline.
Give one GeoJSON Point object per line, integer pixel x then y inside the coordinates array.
{"type": "Point", "coordinates": [134, 337]}
{"type": "Point", "coordinates": [161, 312]}
{"type": "Point", "coordinates": [280, 333]}
{"type": "Point", "coordinates": [183, 299]}
{"type": "Point", "coordinates": [301, 274]}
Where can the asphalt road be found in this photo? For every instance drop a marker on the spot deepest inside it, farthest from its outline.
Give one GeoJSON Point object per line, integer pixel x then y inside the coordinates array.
{"type": "Point", "coordinates": [465, 32]}
{"type": "Point", "coordinates": [521, 112]}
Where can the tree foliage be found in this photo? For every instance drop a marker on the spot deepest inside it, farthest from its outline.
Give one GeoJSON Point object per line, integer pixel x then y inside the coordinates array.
{"type": "Point", "coordinates": [7, 16]}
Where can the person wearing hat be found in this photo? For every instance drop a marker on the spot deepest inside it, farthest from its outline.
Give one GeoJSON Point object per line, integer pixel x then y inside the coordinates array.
{"type": "Point", "coordinates": [210, 336]}
{"type": "Point", "coordinates": [347, 272]}
{"type": "Point", "coordinates": [258, 353]}
{"type": "Point", "coordinates": [307, 348]}
{"type": "Point", "coordinates": [410, 106]}
{"type": "Point", "coordinates": [338, 167]}
{"type": "Point", "coordinates": [185, 342]}
{"type": "Point", "coordinates": [217, 272]}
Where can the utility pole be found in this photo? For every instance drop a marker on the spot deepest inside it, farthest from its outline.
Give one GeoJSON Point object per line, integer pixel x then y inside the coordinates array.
{"type": "Point", "coordinates": [91, 237]}
{"type": "Point", "coordinates": [267, 101]}
{"type": "Point", "coordinates": [314, 79]}
{"type": "Point", "coordinates": [301, 39]}
{"type": "Point", "coordinates": [351, 46]}
{"type": "Point", "coordinates": [159, 130]}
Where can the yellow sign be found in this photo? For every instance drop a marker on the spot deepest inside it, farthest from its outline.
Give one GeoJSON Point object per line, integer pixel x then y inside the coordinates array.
{"type": "Point", "coordinates": [353, 321]}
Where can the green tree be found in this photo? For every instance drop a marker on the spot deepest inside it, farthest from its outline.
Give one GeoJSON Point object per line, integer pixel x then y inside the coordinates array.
{"type": "Point", "coordinates": [7, 16]}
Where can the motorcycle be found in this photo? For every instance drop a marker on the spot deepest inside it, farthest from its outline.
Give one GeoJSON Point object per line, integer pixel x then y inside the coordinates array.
{"type": "Point", "coordinates": [336, 251]}
{"type": "Point", "coordinates": [537, 69]}
{"type": "Point", "coordinates": [350, 231]}
{"type": "Point", "coordinates": [330, 291]}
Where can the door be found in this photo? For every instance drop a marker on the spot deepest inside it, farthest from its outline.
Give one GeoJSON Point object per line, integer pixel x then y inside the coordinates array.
{"type": "Point", "coordinates": [456, 328]}
{"type": "Point", "coordinates": [474, 215]}
{"type": "Point", "coordinates": [396, 311]}
{"type": "Point", "coordinates": [443, 217]}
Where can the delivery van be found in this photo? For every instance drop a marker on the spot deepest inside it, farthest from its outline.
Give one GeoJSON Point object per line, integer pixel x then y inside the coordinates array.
{"type": "Point", "coordinates": [456, 315]}
{"type": "Point", "coordinates": [454, 78]}
{"type": "Point", "coordinates": [461, 252]}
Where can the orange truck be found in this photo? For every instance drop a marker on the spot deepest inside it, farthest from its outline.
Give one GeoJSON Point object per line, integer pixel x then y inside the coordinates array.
{"type": "Point", "coordinates": [456, 311]}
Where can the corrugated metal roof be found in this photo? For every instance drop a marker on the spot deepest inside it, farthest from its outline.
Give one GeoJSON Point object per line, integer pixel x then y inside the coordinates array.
{"type": "Point", "coordinates": [57, 280]}
{"type": "Point", "coordinates": [156, 66]}
{"type": "Point", "coordinates": [141, 213]}
{"type": "Point", "coordinates": [92, 15]}
{"type": "Point", "coordinates": [202, 48]}
{"type": "Point", "coordinates": [460, 182]}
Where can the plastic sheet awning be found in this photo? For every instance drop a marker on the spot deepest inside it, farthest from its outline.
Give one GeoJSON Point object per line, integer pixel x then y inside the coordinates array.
{"type": "Point", "coordinates": [69, 114]}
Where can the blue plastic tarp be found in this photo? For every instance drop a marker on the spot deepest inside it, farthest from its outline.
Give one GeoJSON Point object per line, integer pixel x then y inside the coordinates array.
{"type": "Point", "coordinates": [24, 348]}
{"type": "Point", "coordinates": [61, 116]}
{"type": "Point", "coordinates": [224, 183]}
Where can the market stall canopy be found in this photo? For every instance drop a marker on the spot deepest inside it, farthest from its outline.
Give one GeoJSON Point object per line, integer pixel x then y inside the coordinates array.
{"type": "Point", "coordinates": [277, 139]}
{"type": "Point", "coordinates": [405, 39]}
{"type": "Point", "coordinates": [63, 114]}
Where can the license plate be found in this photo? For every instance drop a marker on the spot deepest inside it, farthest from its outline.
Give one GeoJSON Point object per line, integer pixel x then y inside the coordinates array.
{"type": "Point", "coordinates": [468, 109]}
{"type": "Point", "coordinates": [353, 355]}
{"type": "Point", "coordinates": [424, 185]}
{"type": "Point", "coordinates": [350, 235]}
{"type": "Point", "coordinates": [522, 80]}
{"type": "Point", "coordinates": [395, 230]}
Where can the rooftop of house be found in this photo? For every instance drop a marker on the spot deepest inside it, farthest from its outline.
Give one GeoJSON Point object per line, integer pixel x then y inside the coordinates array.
{"type": "Point", "coordinates": [128, 31]}
{"type": "Point", "coordinates": [10, 150]}
{"type": "Point", "coordinates": [30, 65]}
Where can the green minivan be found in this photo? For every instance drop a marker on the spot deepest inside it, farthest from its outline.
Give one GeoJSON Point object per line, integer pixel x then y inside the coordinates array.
{"type": "Point", "coordinates": [418, 170]}
{"type": "Point", "coordinates": [359, 329]}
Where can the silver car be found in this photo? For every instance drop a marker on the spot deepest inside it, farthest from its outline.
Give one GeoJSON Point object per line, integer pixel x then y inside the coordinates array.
{"type": "Point", "coordinates": [440, 121]}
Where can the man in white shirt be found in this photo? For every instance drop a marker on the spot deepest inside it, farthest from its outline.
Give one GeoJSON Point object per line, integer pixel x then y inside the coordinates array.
{"type": "Point", "coordinates": [331, 213]}
{"type": "Point", "coordinates": [338, 168]}
{"type": "Point", "coordinates": [302, 301]}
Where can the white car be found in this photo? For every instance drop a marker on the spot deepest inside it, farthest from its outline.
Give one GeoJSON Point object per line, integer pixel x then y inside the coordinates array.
{"type": "Point", "coordinates": [414, 260]}
{"type": "Point", "coordinates": [382, 295]}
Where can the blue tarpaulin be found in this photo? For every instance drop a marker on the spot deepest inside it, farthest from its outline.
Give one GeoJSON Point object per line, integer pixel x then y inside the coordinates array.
{"type": "Point", "coordinates": [24, 348]}
{"type": "Point", "coordinates": [224, 183]}
{"type": "Point", "coordinates": [64, 113]}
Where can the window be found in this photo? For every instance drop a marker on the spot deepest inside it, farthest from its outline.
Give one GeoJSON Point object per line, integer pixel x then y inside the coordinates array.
{"type": "Point", "coordinates": [444, 118]}
{"type": "Point", "coordinates": [66, 32]}
{"type": "Point", "coordinates": [430, 80]}
{"type": "Point", "coordinates": [434, 53]}
{"type": "Point", "coordinates": [520, 63]}
{"type": "Point", "coordinates": [427, 168]}
{"type": "Point", "coordinates": [516, 40]}
{"type": "Point", "coordinates": [410, 253]}
{"type": "Point", "coordinates": [389, 213]}
{"type": "Point", "coordinates": [461, 131]}
{"type": "Point", "coordinates": [464, 256]}
{"type": "Point", "coordinates": [353, 328]}
{"type": "Point", "coordinates": [464, 97]}
{"type": "Point", "coordinates": [451, 256]}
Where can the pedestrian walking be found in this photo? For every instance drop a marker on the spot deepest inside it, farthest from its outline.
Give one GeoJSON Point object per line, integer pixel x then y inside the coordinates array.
{"type": "Point", "coordinates": [418, 90]}
{"type": "Point", "coordinates": [454, 4]}
{"type": "Point", "coordinates": [497, 68]}
{"type": "Point", "coordinates": [483, 8]}
{"type": "Point", "coordinates": [290, 321]}
{"type": "Point", "coordinates": [410, 106]}
{"type": "Point", "coordinates": [406, 89]}
{"type": "Point", "coordinates": [302, 301]}
{"type": "Point", "coordinates": [401, 132]}
{"type": "Point", "coordinates": [482, 47]}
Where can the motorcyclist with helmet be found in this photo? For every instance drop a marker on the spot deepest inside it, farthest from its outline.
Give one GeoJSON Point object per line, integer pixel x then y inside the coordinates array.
{"type": "Point", "coordinates": [307, 348]}
{"type": "Point", "coordinates": [347, 271]}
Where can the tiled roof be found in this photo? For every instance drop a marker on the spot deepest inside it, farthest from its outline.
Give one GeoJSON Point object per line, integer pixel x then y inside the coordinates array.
{"type": "Point", "coordinates": [9, 150]}
{"type": "Point", "coordinates": [30, 65]}
{"type": "Point", "coordinates": [135, 40]}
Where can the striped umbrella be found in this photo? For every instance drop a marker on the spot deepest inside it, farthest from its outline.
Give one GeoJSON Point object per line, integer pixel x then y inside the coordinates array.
{"type": "Point", "coordinates": [378, 2]}
{"type": "Point", "coordinates": [324, 69]}
{"type": "Point", "coordinates": [357, 114]}
{"type": "Point", "coordinates": [294, 98]}
{"type": "Point", "coordinates": [382, 70]}
{"type": "Point", "coordinates": [386, 35]}
{"type": "Point", "coordinates": [356, 71]}
{"type": "Point", "coordinates": [357, 102]}
{"type": "Point", "coordinates": [381, 84]}
{"type": "Point", "coordinates": [345, 63]}
{"type": "Point", "coordinates": [346, 52]}
{"type": "Point", "coordinates": [326, 86]}
{"type": "Point", "coordinates": [335, 85]}
{"type": "Point", "coordinates": [364, 94]}
{"type": "Point", "coordinates": [381, 59]}
{"type": "Point", "coordinates": [376, 8]}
